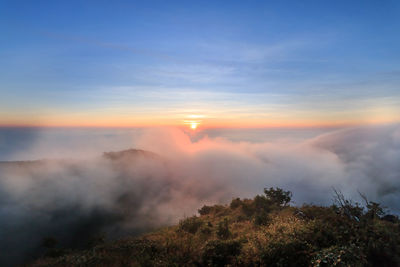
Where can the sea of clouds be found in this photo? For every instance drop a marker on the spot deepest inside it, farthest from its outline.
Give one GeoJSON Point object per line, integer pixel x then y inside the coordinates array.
{"type": "Point", "coordinates": [76, 193]}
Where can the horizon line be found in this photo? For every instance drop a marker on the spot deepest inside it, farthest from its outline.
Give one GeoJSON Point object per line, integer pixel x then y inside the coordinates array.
{"type": "Point", "coordinates": [202, 127]}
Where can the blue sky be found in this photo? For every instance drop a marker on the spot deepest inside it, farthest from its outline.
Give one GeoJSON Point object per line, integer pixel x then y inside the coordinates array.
{"type": "Point", "coordinates": [264, 62]}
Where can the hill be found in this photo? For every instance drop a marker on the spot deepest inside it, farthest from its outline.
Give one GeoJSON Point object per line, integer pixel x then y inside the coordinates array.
{"type": "Point", "coordinates": [264, 231]}
{"type": "Point", "coordinates": [77, 200]}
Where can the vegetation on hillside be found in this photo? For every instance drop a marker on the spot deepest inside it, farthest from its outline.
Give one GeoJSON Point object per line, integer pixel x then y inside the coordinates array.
{"type": "Point", "coordinates": [264, 231]}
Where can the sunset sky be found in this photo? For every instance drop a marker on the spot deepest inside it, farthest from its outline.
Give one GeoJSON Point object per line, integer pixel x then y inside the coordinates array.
{"type": "Point", "coordinates": [216, 63]}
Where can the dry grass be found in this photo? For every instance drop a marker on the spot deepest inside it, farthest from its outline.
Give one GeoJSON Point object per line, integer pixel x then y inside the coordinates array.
{"type": "Point", "coordinates": [287, 236]}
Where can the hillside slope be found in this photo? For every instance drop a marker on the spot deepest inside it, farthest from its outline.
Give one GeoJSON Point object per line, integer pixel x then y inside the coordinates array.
{"type": "Point", "coordinates": [264, 231]}
{"type": "Point", "coordinates": [76, 200]}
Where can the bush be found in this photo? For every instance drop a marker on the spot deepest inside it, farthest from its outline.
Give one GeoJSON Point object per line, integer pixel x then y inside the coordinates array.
{"type": "Point", "coordinates": [221, 253]}
{"type": "Point", "coordinates": [206, 229]}
{"type": "Point", "coordinates": [311, 212]}
{"type": "Point", "coordinates": [262, 204]}
{"type": "Point", "coordinates": [391, 218]}
{"type": "Point", "coordinates": [261, 218]}
{"type": "Point", "coordinates": [236, 203]}
{"type": "Point", "coordinates": [382, 243]}
{"type": "Point", "coordinates": [286, 252]}
{"type": "Point", "coordinates": [190, 225]}
{"type": "Point", "coordinates": [248, 208]}
{"type": "Point", "coordinates": [374, 211]}
{"type": "Point", "coordinates": [340, 256]}
{"type": "Point", "coordinates": [205, 210]}
{"type": "Point", "coordinates": [345, 234]}
{"type": "Point", "coordinates": [223, 229]}
{"type": "Point", "coordinates": [218, 210]}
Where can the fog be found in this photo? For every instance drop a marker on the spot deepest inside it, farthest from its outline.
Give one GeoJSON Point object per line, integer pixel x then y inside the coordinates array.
{"type": "Point", "coordinates": [81, 194]}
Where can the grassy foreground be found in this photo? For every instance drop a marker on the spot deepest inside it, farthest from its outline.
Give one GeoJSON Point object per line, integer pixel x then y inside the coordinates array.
{"type": "Point", "coordinates": [264, 231]}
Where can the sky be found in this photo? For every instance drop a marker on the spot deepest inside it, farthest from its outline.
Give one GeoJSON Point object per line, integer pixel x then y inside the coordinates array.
{"type": "Point", "coordinates": [303, 95]}
{"type": "Point", "coordinates": [212, 63]}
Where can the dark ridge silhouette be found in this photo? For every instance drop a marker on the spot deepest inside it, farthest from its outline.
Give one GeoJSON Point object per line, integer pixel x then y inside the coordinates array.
{"type": "Point", "coordinates": [130, 153]}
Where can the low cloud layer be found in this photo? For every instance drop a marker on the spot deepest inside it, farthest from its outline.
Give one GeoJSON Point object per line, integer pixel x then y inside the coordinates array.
{"type": "Point", "coordinates": [76, 199]}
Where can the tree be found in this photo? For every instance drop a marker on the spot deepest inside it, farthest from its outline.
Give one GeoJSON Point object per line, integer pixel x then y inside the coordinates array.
{"type": "Point", "coordinates": [278, 196]}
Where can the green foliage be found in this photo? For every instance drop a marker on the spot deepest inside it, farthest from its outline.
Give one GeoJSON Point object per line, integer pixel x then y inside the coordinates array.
{"type": "Point", "coordinates": [263, 231]}
{"type": "Point", "coordinates": [206, 229]}
{"type": "Point", "coordinates": [223, 229]}
{"type": "Point", "coordinates": [256, 209]}
{"type": "Point", "coordinates": [190, 225]}
{"type": "Point", "coordinates": [261, 218]}
{"type": "Point", "coordinates": [221, 252]}
{"type": "Point", "coordinates": [248, 208]}
{"type": "Point", "coordinates": [235, 203]}
{"type": "Point", "coordinates": [374, 210]}
{"type": "Point", "coordinates": [381, 243]}
{"type": "Point", "coordinates": [218, 210]}
{"type": "Point", "coordinates": [205, 210]}
{"type": "Point", "coordinates": [351, 255]}
{"type": "Point", "coordinates": [261, 203]}
{"type": "Point", "coordinates": [260, 206]}
{"type": "Point", "coordinates": [347, 208]}
{"type": "Point", "coordinates": [278, 196]}
{"type": "Point", "coordinates": [286, 252]}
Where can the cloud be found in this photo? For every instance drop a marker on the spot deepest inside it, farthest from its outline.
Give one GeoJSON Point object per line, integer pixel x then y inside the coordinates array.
{"type": "Point", "coordinates": [128, 193]}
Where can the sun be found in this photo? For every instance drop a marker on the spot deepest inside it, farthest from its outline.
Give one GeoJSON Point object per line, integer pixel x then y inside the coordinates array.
{"type": "Point", "coordinates": [193, 125]}
{"type": "Point", "coordinates": [193, 121]}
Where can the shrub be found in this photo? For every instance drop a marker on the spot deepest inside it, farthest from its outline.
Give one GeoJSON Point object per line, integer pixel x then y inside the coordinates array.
{"type": "Point", "coordinates": [374, 211]}
{"type": "Point", "coordinates": [286, 252]}
{"type": "Point", "coordinates": [236, 203]}
{"type": "Point", "coordinates": [310, 212]}
{"type": "Point", "coordinates": [206, 229]}
{"type": "Point", "coordinates": [248, 208]}
{"type": "Point", "coordinates": [190, 225]}
{"type": "Point", "coordinates": [345, 234]}
{"type": "Point", "coordinates": [218, 210]}
{"type": "Point", "coordinates": [241, 218]}
{"type": "Point", "coordinates": [340, 256]}
{"type": "Point", "coordinates": [382, 243]}
{"type": "Point", "coordinates": [205, 210]}
{"type": "Point", "coordinates": [261, 203]}
{"type": "Point", "coordinates": [223, 229]}
{"type": "Point", "coordinates": [391, 218]}
{"type": "Point", "coordinates": [261, 218]}
{"type": "Point", "coordinates": [346, 207]}
{"type": "Point", "coordinates": [221, 253]}
{"type": "Point", "coordinates": [146, 252]}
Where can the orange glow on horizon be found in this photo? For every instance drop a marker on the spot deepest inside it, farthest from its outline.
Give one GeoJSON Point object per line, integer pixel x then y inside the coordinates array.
{"type": "Point", "coordinates": [194, 126]}
{"type": "Point", "coordinates": [193, 122]}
